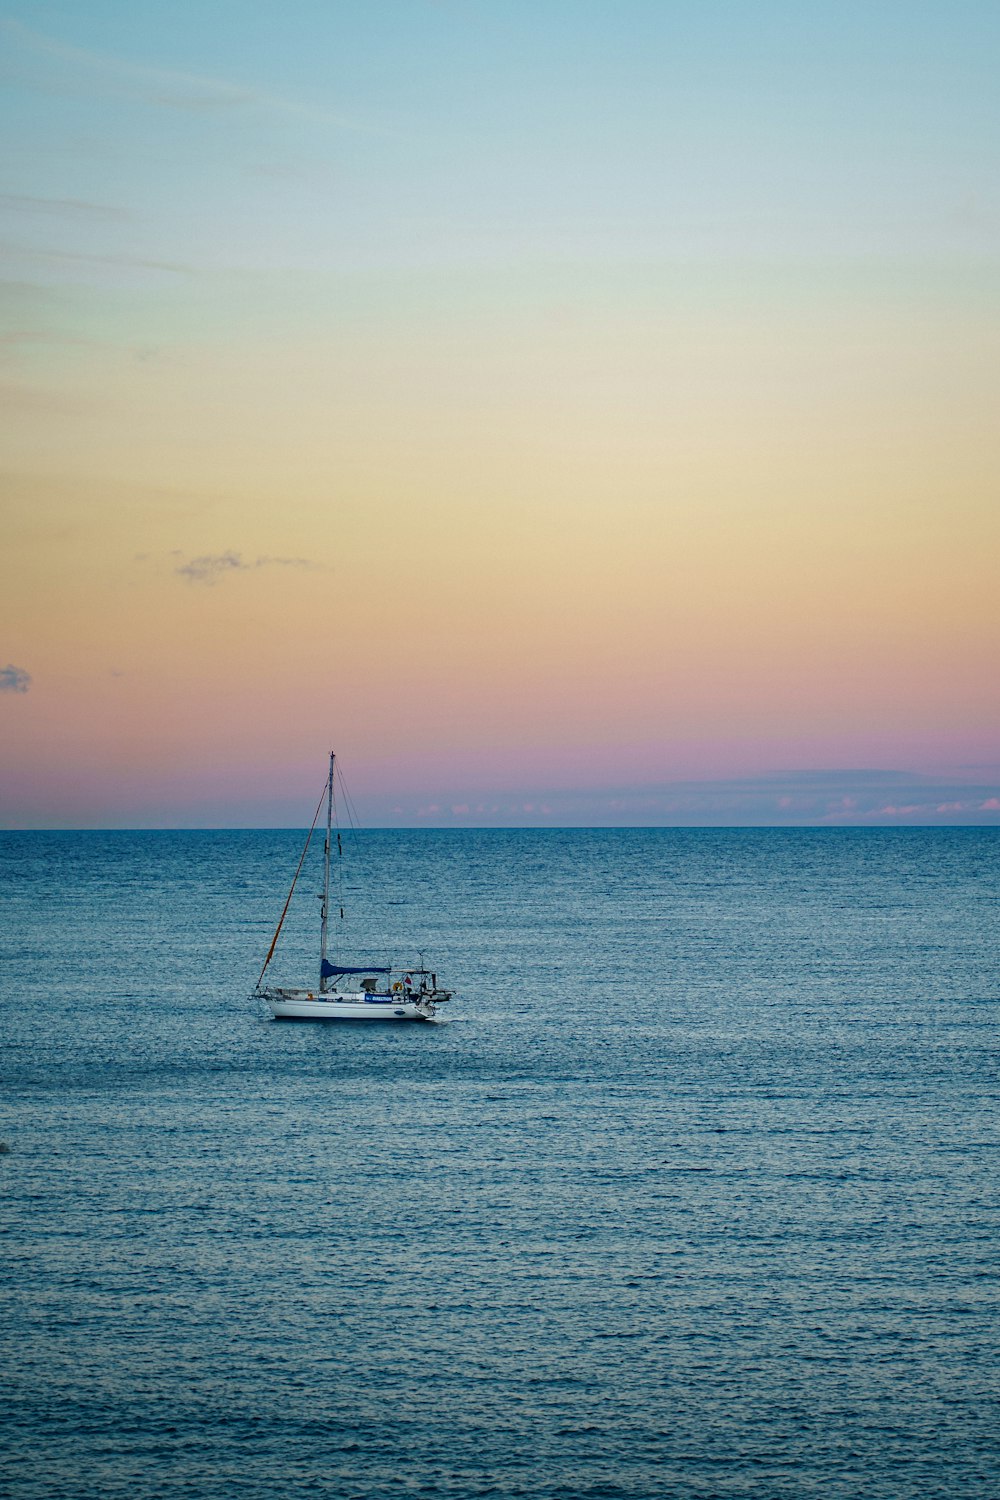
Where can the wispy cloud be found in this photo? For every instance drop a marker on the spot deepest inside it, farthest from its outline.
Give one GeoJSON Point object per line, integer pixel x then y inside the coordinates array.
{"type": "Point", "coordinates": [14, 679]}
{"type": "Point", "coordinates": [216, 565]}
{"type": "Point", "coordinates": [18, 397]}
{"type": "Point", "coordinates": [211, 568]}
{"type": "Point", "coordinates": [15, 254]}
{"type": "Point", "coordinates": [167, 88]}
{"type": "Point", "coordinates": [72, 208]}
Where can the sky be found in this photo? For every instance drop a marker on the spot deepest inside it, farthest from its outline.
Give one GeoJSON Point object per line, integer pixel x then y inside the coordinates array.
{"type": "Point", "coordinates": [570, 412]}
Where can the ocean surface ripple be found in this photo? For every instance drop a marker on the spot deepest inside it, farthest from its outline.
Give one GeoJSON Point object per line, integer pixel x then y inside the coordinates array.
{"type": "Point", "coordinates": [695, 1195]}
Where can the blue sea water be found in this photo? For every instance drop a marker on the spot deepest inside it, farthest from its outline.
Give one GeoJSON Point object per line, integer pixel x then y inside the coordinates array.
{"type": "Point", "coordinates": [695, 1195]}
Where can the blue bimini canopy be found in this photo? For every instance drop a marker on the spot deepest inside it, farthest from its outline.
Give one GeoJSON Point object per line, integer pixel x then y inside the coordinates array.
{"type": "Point", "coordinates": [328, 970]}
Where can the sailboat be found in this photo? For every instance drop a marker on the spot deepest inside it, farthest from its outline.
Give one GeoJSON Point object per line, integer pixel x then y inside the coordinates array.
{"type": "Point", "coordinates": [347, 992]}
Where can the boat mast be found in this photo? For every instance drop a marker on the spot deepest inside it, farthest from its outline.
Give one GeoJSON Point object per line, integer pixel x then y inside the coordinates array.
{"type": "Point", "coordinates": [326, 874]}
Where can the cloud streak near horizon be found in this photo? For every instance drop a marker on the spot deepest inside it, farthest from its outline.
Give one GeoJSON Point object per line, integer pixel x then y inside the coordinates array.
{"type": "Point", "coordinates": [831, 799]}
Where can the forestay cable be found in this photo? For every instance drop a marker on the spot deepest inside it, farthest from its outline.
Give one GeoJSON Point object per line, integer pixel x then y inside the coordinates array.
{"type": "Point", "coordinates": [288, 902]}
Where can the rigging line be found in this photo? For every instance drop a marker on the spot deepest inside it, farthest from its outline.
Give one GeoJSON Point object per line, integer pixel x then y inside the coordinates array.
{"type": "Point", "coordinates": [288, 900]}
{"type": "Point", "coordinates": [352, 818]}
{"type": "Point", "coordinates": [350, 828]}
{"type": "Point", "coordinates": [354, 829]}
{"type": "Point", "coordinates": [348, 800]}
{"type": "Point", "coordinates": [351, 810]}
{"type": "Point", "coordinates": [338, 775]}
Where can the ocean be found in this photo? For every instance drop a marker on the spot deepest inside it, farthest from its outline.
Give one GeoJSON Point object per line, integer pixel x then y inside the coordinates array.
{"type": "Point", "coordinates": [695, 1193]}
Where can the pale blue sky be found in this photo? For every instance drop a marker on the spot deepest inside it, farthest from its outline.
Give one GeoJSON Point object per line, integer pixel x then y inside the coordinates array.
{"type": "Point", "coordinates": [662, 337]}
{"type": "Point", "coordinates": [314, 135]}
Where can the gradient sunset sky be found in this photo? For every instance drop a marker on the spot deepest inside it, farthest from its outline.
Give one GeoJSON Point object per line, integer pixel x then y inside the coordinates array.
{"type": "Point", "coordinates": [570, 412]}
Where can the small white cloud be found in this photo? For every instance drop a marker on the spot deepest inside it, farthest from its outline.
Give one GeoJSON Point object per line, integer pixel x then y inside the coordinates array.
{"type": "Point", "coordinates": [14, 679]}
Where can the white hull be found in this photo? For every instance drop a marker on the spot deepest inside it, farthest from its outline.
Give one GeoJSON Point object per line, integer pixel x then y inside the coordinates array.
{"type": "Point", "coordinates": [305, 1005]}
{"type": "Point", "coordinates": [379, 996]}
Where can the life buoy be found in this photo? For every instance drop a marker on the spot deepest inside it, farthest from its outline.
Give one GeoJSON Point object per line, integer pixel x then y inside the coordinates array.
{"type": "Point", "coordinates": [396, 987]}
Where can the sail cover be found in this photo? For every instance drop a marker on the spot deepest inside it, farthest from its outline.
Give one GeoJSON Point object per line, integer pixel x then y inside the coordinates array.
{"type": "Point", "coordinates": [328, 970]}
